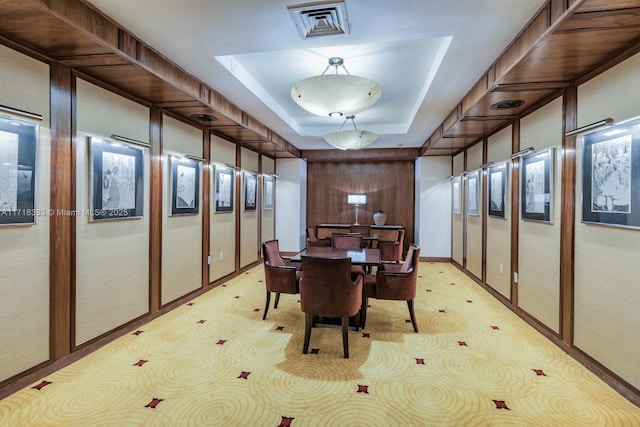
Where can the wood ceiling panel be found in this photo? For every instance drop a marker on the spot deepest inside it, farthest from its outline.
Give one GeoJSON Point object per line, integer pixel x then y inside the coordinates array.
{"type": "Point", "coordinates": [189, 110]}
{"type": "Point", "coordinates": [565, 57]}
{"type": "Point", "coordinates": [482, 108]}
{"type": "Point", "coordinates": [45, 32]}
{"type": "Point", "coordinates": [473, 128]}
{"type": "Point", "coordinates": [452, 143]}
{"type": "Point", "coordinates": [138, 82]}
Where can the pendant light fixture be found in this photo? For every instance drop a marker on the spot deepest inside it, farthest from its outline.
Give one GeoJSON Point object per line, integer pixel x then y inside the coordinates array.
{"type": "Point", "coordinates": [335, 95]}
{"type": "Point", "coordinates": [350, 139]}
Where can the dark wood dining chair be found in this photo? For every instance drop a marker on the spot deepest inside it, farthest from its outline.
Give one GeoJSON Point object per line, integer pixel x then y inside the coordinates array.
{"type": "Point", "coordinates": [327, 290]}
{"type": "Point", "coordinates": [281, 275]}
{"type": "Point", "coordinates": [393, 282]}
{"type": "Point", "coordinates": [312, 239]}
{"type": "Point", "coordinates": [348, 241]}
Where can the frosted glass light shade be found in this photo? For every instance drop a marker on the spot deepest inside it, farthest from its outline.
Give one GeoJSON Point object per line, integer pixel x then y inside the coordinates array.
{"type": "Point", "coordinates": [335, 94]}
{"type": "Point", "coordinates": [351, 139]}
{"type": "Point", "coordinates": [357, 199]}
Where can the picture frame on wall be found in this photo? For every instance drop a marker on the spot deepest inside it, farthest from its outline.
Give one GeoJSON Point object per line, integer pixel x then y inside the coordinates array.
{"type": "Point", "coordinates": [473, 193]}
{"type": "Point", "coordinates": [611, 175]}
{"type": "Point", "coordinates": [536, 186]}
{"type": "Point", "coordinates": [185, 186]}
{"type": "Point", "coordinates": [455, 195]}
{"type": "Point", "coordinates": [224, 188]}
{"type": "Point", "coordinates": [497, 177]}
{"type": "Point", "coordinates": [250, 191]}
{"type": "Point", "coordinates": [268, 192]}
{"type": "Point", "coordinates": [18, 142]}
{"type": "Point", "coordinates": [116, 180]}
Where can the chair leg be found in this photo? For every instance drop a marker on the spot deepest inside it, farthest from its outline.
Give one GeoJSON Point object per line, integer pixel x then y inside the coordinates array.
{"type": "Point", "coordinates": [413, 315]}
{"type": "Point", "coordinates": [363, 314]}
{"type": "Point", "coordinates": [275, 304]}
{"type": "Point", "coordinates": [308, 321]}
{"type": "Point", "coordinates": [345, 336]}
{"type": "Point", "coordinates": [266, 306]}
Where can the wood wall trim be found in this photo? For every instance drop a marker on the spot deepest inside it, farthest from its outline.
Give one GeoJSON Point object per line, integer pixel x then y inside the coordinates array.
{"type": "Point", "coordinates": [515, 208]}
{"type": "Point", "coordinates": [368, 155]}
{"type": "Point", "coordinates": [567, 215]}
{"type": "Point", "coordinates": [485, 207]}
{"type": "Point", "coordinates": [206, 206]}
{"type": "Point", "coordinates": [238, 207]}
{"type": "Point", "coordinates": [62, 229]}
{"type": "Point", "coordinates": [155, 210]}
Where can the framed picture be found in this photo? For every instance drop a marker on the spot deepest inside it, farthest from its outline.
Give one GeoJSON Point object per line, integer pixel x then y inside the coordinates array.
{"type": "Point", "coordinates": [455, 195]}
{"type": "Point", "coordinates": [117, 181]}
{"type": "Point", "coordinates": [611, 175]}
{"type": "Point", "coordinates": [473, 192]}
{"type": "Point", "coordinates": [268, 192]}
{"type": "Point", "coordinates": [185, 186]}
{"type": "Point", "coordinates": [497, 190]}
{"type": "Point", "coordinates": [250, 191]}
{"type": "Point", "coordinates": [225, 183]}
{"type": "Point", "coordinates": [536, 186]}
{"type": "Point", "coordinates": [18, 140]}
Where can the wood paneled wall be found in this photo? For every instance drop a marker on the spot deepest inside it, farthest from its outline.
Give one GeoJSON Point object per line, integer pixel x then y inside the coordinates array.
{"type": "Point", "coordinates": [389, 186]}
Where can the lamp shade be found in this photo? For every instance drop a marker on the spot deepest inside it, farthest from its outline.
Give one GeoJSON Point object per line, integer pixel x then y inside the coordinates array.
{"type": "Point", "coordinates": [335, 94]}
{"type": "Point", "coordinates": [357, 199]}
{"type": "Point", "coordinates": [351, 139]}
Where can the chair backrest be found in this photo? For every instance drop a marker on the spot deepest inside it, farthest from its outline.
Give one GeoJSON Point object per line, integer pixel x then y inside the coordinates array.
{"type": "Point", "coordinates": [346, 241]}
{"type": "Point", "coordinates": [311, 234]}
{"type": "Point", "coordinates": [271, 253]}
{"type": "Point", "coordinates": [326, 288]}
{"type": "Point", "coordinates": [401, 283]}
{"type": "Point", "coordinates": [392, 251]}
{"type": "Point", "coordinates": [362, 229]}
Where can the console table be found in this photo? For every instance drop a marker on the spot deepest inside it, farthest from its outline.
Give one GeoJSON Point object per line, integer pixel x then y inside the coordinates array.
{"type": "Point", "coordinates": [384, 232]}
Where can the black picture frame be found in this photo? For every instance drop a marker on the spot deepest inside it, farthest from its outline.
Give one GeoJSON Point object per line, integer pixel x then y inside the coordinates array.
{"type": "Point", "coordinates": [456, 195]}
{"type": "Point", "coordinates": [250, 191]}
{"type": "Point", "coordinates": [268, 192]}
{"type": "Point", "coordinates": [536, 186]}
{"type": "Point", "coordinates": [611, 175]}
{"type": "Point", "coordinates": [117, 180]}
{"type": "Point", "coordinates": [185, 186]}
{"type": "Point", "coordinates": [497, 190]}
{"type": "Point", "coordinates": [224, 189]}
{"type": "Point", "coordinates": [473, 193]}
{"type": "Point", "coordinates": [18, 144]}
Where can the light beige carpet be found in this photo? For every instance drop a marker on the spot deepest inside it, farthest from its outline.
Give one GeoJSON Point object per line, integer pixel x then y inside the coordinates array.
{"type": "Point", "coordinates": [215, 362]}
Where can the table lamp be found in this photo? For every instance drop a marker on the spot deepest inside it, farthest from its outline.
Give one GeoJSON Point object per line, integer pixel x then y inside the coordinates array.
{"type": "Point", "coordinates": [357, 200]}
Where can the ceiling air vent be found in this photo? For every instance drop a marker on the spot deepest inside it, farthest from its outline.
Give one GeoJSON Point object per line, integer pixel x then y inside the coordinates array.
{"type": "Point", "coordinates": [320, 19]}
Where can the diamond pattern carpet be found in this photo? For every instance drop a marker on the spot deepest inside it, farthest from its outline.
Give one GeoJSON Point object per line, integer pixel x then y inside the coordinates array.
{"type": "Point", "coordinates": [215, 362]}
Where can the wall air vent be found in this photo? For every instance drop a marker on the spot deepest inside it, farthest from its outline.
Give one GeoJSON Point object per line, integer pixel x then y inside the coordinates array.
{"type": "Point", "coordinates": [320, 19]}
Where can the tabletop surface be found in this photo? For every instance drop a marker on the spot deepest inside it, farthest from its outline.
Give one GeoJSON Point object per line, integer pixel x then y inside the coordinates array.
{"type": "Point", "coordinates": [358, 256]}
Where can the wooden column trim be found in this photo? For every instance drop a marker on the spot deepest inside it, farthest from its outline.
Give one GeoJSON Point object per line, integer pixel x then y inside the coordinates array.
{"type": "Point", "coordinates": [238, 203]}
{"type": "Point", "coordinates": [62, 227]}
{"type": "Point", "coordinates": [206, 205]}
{"type": "Point", "coordinates": [484, 174]}
{"type": "Point", "coordinates": [155, 210]}
{"type": "Point", "coordinates": [463, 205]}
{"type": "Point", "coordinates": [567, 214]}
{"type": "Point", "coordinates": [259, 206]}
{"type": "Point", "coordinates": [515, 208]}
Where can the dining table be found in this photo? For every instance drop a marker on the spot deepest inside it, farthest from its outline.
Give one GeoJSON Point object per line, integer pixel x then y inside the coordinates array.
{"type": "Point", "coordinates": [364, 257]}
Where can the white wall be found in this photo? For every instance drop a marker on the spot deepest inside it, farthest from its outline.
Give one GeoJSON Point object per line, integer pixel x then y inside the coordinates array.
{"type": "Point", "coordinates": [291, 199]}
{"type": "Point", "coordinates": [433, 207]}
